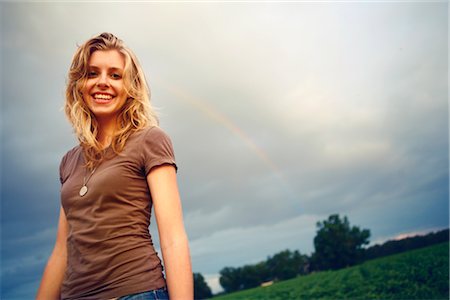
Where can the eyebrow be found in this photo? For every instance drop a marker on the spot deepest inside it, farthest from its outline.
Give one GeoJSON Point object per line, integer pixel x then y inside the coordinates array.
{"type": "Point", "coordinates": [109, 69]}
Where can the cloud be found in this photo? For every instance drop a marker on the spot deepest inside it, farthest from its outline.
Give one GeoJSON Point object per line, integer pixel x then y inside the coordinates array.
{"type": "Point", "coordinates": [280, 114]}
{"type": "Point", "coordinates": [212, 280]}
{"type": "Point", "coordinates": [237, 245]}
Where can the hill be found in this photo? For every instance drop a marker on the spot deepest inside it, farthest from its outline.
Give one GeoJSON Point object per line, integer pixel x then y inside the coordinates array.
{"type": "Point", "coordinates": [416, 274]}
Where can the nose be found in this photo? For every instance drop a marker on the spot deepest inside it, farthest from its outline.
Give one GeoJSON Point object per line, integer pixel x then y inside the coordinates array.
{"type": "Point", "coordinates": [103, 80]}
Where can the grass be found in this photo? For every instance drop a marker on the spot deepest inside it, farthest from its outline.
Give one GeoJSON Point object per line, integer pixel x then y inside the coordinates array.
{"type": "Point", "coordinates": [416, 274]}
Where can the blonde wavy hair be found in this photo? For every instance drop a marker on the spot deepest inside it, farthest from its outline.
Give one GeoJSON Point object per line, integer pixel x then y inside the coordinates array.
{"type": "Point", "coordinates": [136, 113]}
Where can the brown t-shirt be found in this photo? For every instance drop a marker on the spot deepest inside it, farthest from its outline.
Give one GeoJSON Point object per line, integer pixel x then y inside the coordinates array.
{"type": "Point", "coordinates": [109, 248]}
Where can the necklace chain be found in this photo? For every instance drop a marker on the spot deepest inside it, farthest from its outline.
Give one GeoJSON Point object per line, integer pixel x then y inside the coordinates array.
{"type": "Point", "coordinates": [90, 175]}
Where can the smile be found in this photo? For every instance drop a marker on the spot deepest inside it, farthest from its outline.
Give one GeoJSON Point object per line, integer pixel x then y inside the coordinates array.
{"type": "Point", "coordinates": [102, 98]}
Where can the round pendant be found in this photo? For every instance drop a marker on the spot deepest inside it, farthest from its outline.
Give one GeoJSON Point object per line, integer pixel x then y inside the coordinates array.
{"type": "Point", "coordinates": [83, 190]}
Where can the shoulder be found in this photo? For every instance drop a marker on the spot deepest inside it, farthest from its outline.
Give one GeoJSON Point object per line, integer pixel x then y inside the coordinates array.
{"type": "Point", "coordinates": [71, 153]}
{"type": "Point", "coordinates": [155, 135]}
{"type": "Point", "coordinates": [155, 132]}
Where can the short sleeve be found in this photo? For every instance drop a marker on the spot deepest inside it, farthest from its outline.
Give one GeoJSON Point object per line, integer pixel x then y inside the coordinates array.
{"type": "Point", "coordinates": [65, 163]}
{"type": "Point", "coordinates": [157, 149]}
{"type": "Point", "coordinates": [62, 176]}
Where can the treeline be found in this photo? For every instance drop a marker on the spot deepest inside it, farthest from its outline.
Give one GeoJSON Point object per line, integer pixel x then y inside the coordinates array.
{"type": "Point", "coordinates": [406, 244]}
{"type": "Point", "coordinates": [281, 266]}
{"type": "Point", "coordinates": [336, 245]}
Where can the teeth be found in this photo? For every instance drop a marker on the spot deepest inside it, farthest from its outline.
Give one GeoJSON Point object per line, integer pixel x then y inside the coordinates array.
{"type": "Point", "coordinates": [100, 96]}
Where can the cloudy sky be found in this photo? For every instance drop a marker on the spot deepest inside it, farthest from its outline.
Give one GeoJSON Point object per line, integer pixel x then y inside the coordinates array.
{"type": "Point", "coordinates": [280, 115]}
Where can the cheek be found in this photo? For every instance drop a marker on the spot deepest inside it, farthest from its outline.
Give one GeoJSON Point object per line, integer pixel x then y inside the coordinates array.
{"type": "Point", "coordinates": [87, 86]}
{"type": "Point", "coordinates": [123, 100]}
{"type": "Point", "coordinates": [120, 89]}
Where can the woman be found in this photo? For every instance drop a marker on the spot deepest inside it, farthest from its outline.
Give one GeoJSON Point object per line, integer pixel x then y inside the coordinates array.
{"type": "Point", "coordinates": [124, 164]}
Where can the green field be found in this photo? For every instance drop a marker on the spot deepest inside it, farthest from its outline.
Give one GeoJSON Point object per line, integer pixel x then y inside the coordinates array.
{"type": "Point", "coordinates": [417, 274]}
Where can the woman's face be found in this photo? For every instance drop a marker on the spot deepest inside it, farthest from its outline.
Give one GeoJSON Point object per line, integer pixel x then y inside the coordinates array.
{"type": "Point", "coordinates": [104, 91]}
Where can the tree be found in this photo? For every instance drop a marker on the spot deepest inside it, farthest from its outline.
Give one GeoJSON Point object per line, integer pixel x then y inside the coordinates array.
{"type": "Point", "coordinates": [338, 245]}
{"type": "Point", "coordinates": [251, 275]}
{"type": "Point", "coordinates": [230, 279]}
{"type": "Point", "coordinates": [201, 288]}
{"type": "Point", "coordinates": [286, 264]}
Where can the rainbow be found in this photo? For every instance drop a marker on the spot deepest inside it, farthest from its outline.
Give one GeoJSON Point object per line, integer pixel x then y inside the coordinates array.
{"type": "Point", "coordinates": [212, 113]}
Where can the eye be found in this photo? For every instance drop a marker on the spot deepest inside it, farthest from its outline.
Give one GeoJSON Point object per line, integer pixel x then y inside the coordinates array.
{"type": "Point", "coordinates": [92, 74]}
{"type": "Point", "coordinates": [116, 76]}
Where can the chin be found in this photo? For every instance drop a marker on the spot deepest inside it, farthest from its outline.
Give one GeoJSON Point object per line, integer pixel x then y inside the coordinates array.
{"type": "Point", "coordinates": [102, 113]}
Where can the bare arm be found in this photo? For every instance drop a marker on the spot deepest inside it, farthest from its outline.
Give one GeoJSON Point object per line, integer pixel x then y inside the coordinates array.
{"type": "Point", "coordinates": [173, 239]}
{"type": "Point", "coordinates": [52, 278]}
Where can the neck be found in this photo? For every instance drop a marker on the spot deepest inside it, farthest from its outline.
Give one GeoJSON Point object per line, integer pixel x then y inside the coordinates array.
{"type": "Point", "coordinates": [106, 128]}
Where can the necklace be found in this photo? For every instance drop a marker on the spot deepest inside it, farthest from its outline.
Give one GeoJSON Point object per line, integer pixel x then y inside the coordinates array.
{"type": "Point", "coordinates": [84, 188]}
